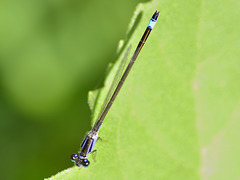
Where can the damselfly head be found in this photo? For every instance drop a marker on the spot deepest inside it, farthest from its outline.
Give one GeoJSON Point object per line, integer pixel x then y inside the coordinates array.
{"type": "Point", "coordinates": [79, 160]}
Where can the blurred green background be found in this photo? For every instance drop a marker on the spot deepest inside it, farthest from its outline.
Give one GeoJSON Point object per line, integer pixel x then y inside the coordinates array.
{"type": "Point", "coordinates": [51, 54]}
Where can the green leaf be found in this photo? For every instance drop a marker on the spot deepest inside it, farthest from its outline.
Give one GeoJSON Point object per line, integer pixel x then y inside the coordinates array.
{"type": "Point", "coordinates": [176, 116]}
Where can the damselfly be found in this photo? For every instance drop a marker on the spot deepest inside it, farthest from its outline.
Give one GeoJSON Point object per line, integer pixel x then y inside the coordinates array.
{"type": "Point", "coordinates": [89, 142]}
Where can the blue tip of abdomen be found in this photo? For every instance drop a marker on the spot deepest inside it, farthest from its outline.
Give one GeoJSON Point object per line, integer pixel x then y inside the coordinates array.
{"type": "Point", "coordinates": [152, 23]}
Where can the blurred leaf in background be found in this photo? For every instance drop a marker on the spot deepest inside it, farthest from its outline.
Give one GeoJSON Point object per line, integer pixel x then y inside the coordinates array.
{"type": "Point", "coordinates": [51, 54]}
{"type": "Point", "coordinates": [177, 115]}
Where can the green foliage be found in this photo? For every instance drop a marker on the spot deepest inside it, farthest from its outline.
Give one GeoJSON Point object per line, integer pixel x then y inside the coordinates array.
{"type": "Point", "coordinates": [176, 116]}
{"type": "Point", "coordinates": [47, 67]}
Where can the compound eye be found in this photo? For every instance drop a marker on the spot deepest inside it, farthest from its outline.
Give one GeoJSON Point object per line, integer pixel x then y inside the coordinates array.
{"type": "Point", "coordinates": [85, 162]}
{"type": "Point", "coordinates": [74, 157]}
